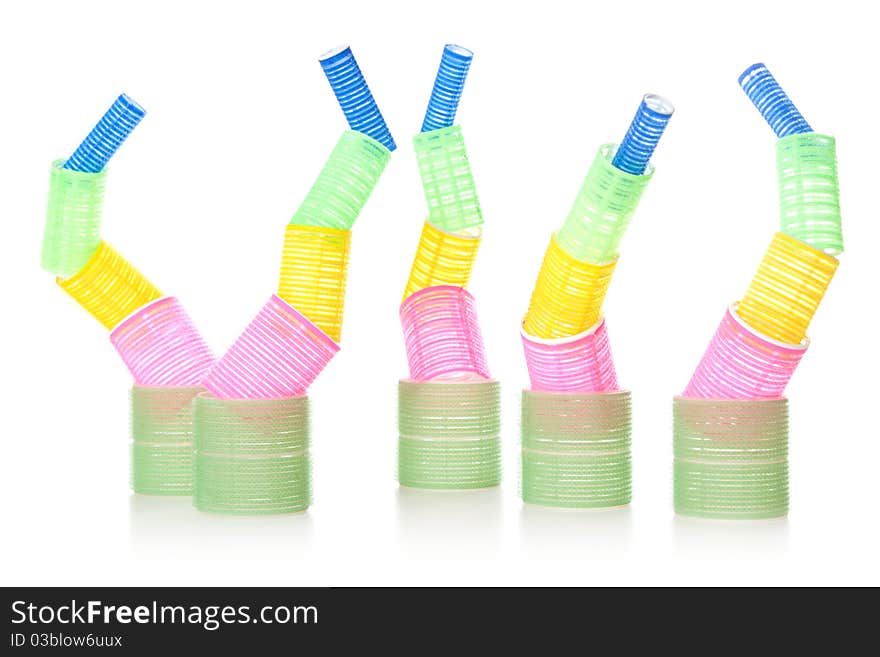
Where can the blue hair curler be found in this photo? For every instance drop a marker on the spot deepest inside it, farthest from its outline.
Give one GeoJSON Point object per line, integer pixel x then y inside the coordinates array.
{"type": "Point", "coordinates": [772, 102]}
{"type": "Point", "coordinates": [448, 86]}
{"type": "Point", "coordinates": [104, 140]}
{"type": "Point", "coordinates": [353, 94]}
{"type": "Point", "coordinates": [644, 132]}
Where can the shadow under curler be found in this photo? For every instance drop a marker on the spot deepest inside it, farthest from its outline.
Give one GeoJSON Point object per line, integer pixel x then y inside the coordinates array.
{"type": "Point", "coordinates": [165, 528]}
{"type": "Point", "coordinates": [575, 533]}
{"type": "Point", "coordinates": [447, 525]}
{"type": "Point", "coordinates": [712, 538]}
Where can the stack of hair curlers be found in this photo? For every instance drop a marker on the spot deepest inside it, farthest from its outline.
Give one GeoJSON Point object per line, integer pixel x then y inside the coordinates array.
{"type": "Point", "coordinates": [232, 432]}
{"type": "Point", "coordinates": [576, 421]}
{"type": "Point", "coordinates": [154, 336]}
{"type": "Point", "coordinates": [252, 428]}
{"type": "Point", "coordinates": [449, 407]}
{"type": "Point", "coordinates": [730, 425]}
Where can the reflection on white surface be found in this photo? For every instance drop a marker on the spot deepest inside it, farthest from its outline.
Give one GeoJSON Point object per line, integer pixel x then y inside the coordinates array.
{"type": "Point", "coordinates": [171, 528]}
{"type": "Point", "coordinates": [449, 524]}
{"type": "Point", "coordinates": [574, 533]}
{"type": "Point", "coordinates": [698, 537]}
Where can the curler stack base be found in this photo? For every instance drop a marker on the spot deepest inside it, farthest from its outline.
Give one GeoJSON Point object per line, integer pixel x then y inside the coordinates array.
{"type": "Point", "coordinates": [252, 455]}
{"type": "Point", "coordinates": [576, 449]}
{"type": "Point", "coordinates": [162, 439]}
{"type": "Point", "coordinates": [730, 458]}
{"type": "Point", "coordinates": [449, 435]}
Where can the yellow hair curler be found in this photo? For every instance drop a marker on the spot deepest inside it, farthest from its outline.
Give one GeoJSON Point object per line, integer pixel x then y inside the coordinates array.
{"type": "Point", "coordinates": [787, 289]}
{"type": "Point", "coordinates": [568, 296]}
{"type": "Point", "coordinates": [442, 259]}
{"type": "Point", "coordinates": [109, 287]}
{"type": "Point", "coordinates": [314, 268]}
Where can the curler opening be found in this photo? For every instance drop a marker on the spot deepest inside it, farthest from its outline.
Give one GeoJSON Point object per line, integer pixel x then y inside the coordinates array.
{"type": "Point", "coordinates": [659, 104]}
{"type": "Point", "coordinates": [459, 51]}
{"type": "Point", "coordinates": [334, 52]}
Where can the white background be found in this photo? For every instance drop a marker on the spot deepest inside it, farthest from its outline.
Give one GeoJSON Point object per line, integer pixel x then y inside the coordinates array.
{"type": "Point", "coordinates": [240, 120]}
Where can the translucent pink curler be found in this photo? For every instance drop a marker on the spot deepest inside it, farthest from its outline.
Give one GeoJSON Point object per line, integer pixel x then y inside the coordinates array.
{"type": "Point", "coordinates": [740, 363]}
{"type": "Point", "coordinates": [279, 355]}
{"type": "Point", "coordinates": [580, 363]}
{"type": "Point", "coordinates": [161, 346]}
{"type": "Point", "coordinates": [442, 334]}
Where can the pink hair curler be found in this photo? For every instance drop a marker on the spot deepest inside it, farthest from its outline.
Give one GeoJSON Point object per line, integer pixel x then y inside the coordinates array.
{"type": "Point", "coordinates": [161, 346]}
{"type": "Point", "coordinates": [442, 334]}
{"type": "Point", "coordinates": [581, 363]}
{"type": "Point", "coordinates": [741, 363]}
{"type": "Point", "coordinates": [279, 354]}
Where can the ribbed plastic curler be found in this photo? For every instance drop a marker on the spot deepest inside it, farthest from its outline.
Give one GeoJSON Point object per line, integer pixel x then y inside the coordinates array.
{"type": "Point", "coordinates": [448, 85]}
{"type": "Point", "coordinates": [109, 287]}
{"type": "Point", "coordinates": [576, 449]}
{"type": "Point", "coordinates": [449, 434]}
{"type": "Point", "coordinates": [576, 480]}
{"type": "Point", "coordinates": [787, 289]}
{"type": "Point", "coordinates": [278, 355]}
{"type": "Point", "coordinates": [442, 259]}
{"type": "Point", "coordinates": [740, 363]}
{"type": "Point", "coordinates": [107, 136]}
{"type": "Point", "coordinates": [725, 430]}
{"type": "Point", "coordinates": [737, 491]}
{"type": "Point", "coordinates": [602, 210]}
{"type": "Point", "coordinates": [449, 410]}
{"type": "Point", "coordinates": [569, 423]}
{"type": "Point", "coordinates": [344, 184]}
{"type": "Point", "coordinates": [449, 464]}
{"type": "Point", "coordinates": [809, 200]}
{"type": "Point", "coordinates": [442, 334]}
{"type": "Point", "coordinates": [251, 428]}
{"type": "Point", "coordinates": [162, 434]}
{"type": "Point", "coordinates": [161, 469]}
{"type": "Point", "coordinates": [353, 94]}
{"type": "Point", "coordinates": [772, 102]}
{"type": "Point", "coordinates": [568, 294]}
{"type": "Point", "coordinates": [252, 456]}
{"type": "Point", "coordinates": [643, 134]}
{"type": "Point", "coordinates": [73, 219]}
{"type": "Point", "coordinates": [314, 269]}
{"type": "Point", "coordinates": [581, 363]}
{"type": "Point", "coordinates": [447, 180]}
{"type": "Point", "coordinates": [731, 458]}
{"type": "Point", "coordinates": [161, 346]}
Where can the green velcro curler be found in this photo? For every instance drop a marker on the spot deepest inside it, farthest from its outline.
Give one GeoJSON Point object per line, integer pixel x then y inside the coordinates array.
{"type": "Point", "coordinates": [602, 210]}
{"type": "Point", "coordinates": [72, 232]}
{"type": "Point", "coordinates": [252, 455]}
{"type": "Point", "coordinates": [731, 490]}
{"type": "Point", "coordinates": [454, 464]}
{"type": "Point", "coordinates": [449, 434]}
{"type": "Point", "coordinates": [453, 205]}
{"type": "Point", "coordinates": [730, 458]}
{"type": "Point", "coordinates": [449, 410]}
{"type": "Point", "coordinates": [576, 449]}
{"type": "Point", "coordinates": [162, 439]}
{"type": "Point", "coordinates": [576, 480]}
{"type": "Point", "coordinates": [809, 196]}
{"type": "Point", "coordinates": [343, 186]}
